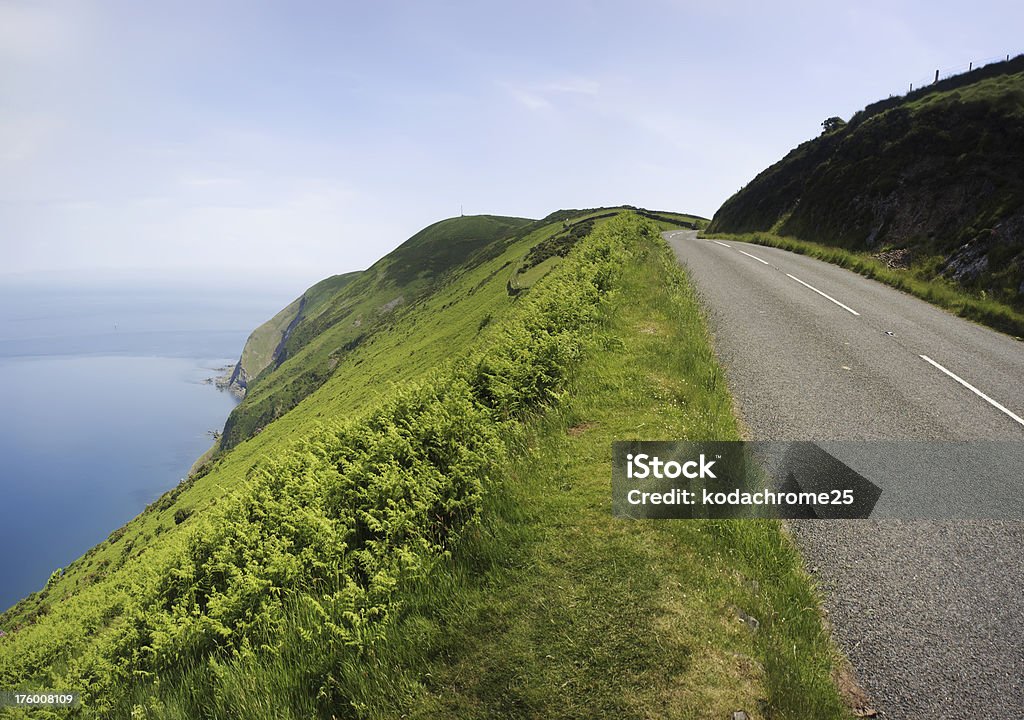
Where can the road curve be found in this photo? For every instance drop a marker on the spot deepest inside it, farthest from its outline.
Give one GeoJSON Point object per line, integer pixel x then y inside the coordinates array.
{"type": "Point", "coordinates": [930, 613]}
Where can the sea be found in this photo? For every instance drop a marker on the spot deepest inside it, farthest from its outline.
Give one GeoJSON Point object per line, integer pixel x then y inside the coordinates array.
{"type": "Point", "coordinates": [105, 403]}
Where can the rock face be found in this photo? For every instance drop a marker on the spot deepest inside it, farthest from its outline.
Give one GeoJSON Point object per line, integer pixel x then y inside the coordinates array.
{"type": "Point", "coordinates": [967, 263]}
{"type": "Point", "coordinates": [236, 381]}
{"type": "Point", "coordinates": [935, 173]}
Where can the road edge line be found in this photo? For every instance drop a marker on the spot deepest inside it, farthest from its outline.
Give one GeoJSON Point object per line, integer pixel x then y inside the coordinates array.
{"type": "Point", "coordinates": [974, 390]}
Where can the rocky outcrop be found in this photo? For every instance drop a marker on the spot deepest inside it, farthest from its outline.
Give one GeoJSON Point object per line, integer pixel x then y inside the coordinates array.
{"type": "Point", "coordinates": [236, 382]}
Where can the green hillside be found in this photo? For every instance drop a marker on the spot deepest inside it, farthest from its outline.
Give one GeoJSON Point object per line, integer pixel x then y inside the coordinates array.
{"type": "Point", "coordinates": [928, 183]}
{"type": "Point", "coordinates": [340, 313]}
{"type": "Point", "coordinates": [266, 342]}
{"type": "Point", "coordinates": [425, 532]}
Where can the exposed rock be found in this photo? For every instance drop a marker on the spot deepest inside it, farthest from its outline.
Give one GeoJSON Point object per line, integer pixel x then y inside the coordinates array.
{"type": "Point", "coordinates": [872, 238]}
{"type": "Point", "coordinates": [967, 262]}
{"type": "Point", "coordinates": [236, 382]}
{"type": "Point", "coordinates": [898, 259]}
{"type": "Point", "coordinates": [749, 620]}
{"type": "Point", "coordinates": [392, 304]}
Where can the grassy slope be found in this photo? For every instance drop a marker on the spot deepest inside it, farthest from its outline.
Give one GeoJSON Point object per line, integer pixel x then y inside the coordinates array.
{"type": "Point", "coordinates": [563, 228]}
{"type": "Point", "coordinates": [673, 221]}
{"type": "Point", "coordinates": [333, 328]}
{"type": "Point", "coordinates": [935, 173]}
{"type": "Point", "coordinates": [421, 337]}
{"type": "Point", "coordinates": [583, 615]}
{"type": "Point", "coordinates": [544, 554]}
{"type": "Point", "coordinates": [260, 348]}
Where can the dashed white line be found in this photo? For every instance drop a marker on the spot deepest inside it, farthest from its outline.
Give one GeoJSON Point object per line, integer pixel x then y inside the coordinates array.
{"type": "Point", "coordinates": [847, 308]}
{"type": "Point", "coordinates": [763, 262]}
{"type": "Point", "coordinates": [974, 390]}
{"type": "Point", "coordinates": [997, 405]}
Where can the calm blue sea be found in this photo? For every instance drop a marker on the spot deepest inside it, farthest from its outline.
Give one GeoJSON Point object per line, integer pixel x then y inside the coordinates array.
{"type": "Point", "coordinates": [102, 408]}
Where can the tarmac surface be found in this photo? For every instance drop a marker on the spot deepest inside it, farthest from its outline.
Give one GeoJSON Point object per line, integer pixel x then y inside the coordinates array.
{"type": "Point", "coordinates": [930, 611]}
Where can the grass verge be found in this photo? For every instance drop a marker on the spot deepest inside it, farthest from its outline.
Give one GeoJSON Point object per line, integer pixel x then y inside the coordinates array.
{"type": "Point", "coordinates": [984, 310]}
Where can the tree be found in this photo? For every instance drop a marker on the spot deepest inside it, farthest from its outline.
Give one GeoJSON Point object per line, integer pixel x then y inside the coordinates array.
{"type": "Point", "coordinates": [832, 124]}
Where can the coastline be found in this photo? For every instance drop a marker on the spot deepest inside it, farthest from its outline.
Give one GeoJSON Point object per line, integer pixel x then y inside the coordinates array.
{"type": "Point", "coordinates": [127, 430]}
{"type": "Point", "coordinates": [226, 381]}
{"type": "Point", "coordinates": [205, 457]}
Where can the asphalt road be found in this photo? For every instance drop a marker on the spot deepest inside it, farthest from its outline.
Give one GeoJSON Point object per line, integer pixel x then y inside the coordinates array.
{"type": "Point", "coordinates": [930, 612]}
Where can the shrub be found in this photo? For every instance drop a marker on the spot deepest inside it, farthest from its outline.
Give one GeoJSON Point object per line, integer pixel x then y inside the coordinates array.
{"type": "Point", "coordinates": [181, 515]}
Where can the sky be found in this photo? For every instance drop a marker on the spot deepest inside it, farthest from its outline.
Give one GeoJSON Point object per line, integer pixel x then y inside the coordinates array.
{"type": "Point", "coordinates": [250, 142]}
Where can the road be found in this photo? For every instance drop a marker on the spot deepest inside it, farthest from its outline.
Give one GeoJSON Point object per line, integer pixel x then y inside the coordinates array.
{"type": "Point", "coordinates": [930, 612]}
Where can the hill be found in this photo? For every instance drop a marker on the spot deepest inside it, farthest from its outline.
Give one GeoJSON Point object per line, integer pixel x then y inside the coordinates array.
{"type": "Point", "coordinates": [425, 533]}
{"type": "Point", "coordinates": [292, 354]}
{"type": "Point", "coordinates": [266, 342]}
{"type": "Point", "coordinates": [929, 182]}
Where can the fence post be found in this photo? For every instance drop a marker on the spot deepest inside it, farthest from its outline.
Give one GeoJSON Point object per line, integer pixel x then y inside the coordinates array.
{"type": "Point", "coordinates": [936, 76]}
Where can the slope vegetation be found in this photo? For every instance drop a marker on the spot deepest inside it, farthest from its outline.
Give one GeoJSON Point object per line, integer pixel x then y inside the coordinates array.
{"type": "Point", "coordinates": [426, 532]}
{"type": "Point", "coordinates": [319, 330]}
{"type": "Point", "coordinates": [266, 342]}
{"type": "Point", "coordinates": [929, 183]}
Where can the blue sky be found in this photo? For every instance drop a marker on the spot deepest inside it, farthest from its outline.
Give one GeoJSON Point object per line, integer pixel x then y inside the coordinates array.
{"type": "Point", "coordinates": [299, 139]}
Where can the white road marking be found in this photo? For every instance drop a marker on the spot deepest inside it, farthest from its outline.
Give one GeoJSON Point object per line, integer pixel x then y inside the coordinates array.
{"type": "Point", "coordinates": [763, 262]}
{"type": "Point", "coordinates": [722, 244]}
{"type": "Point", "coordinates": [974, 390]}
{"type": "Point", "coordinates": [847, 308]}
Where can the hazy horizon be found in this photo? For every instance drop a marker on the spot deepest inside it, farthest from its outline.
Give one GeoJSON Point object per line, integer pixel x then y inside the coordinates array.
{"type": "Point", "coordinates": [294, 141]}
